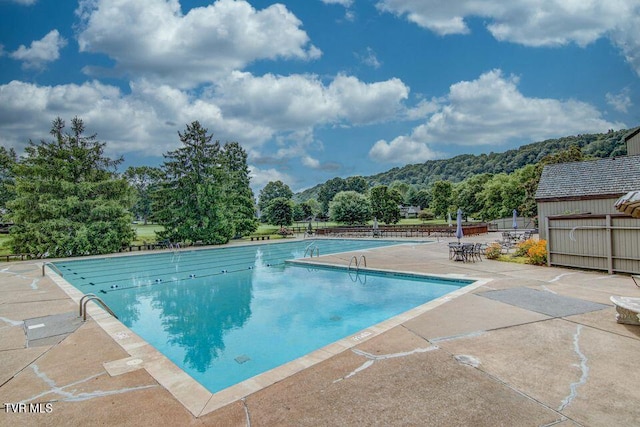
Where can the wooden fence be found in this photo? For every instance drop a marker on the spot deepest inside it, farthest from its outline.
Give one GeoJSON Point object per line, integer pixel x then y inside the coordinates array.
{"type": "Point", "coordinates": [403, 230]}
{"type": "Point", "coordinates": [609, 242]}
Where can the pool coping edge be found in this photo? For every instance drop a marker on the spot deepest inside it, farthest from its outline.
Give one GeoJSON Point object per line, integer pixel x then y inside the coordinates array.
{"type": "Point", "coordinates": [195, 397]}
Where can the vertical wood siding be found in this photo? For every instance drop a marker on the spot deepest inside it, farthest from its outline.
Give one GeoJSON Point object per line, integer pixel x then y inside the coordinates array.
{"type": "Point", "coordinates": [598, 242]}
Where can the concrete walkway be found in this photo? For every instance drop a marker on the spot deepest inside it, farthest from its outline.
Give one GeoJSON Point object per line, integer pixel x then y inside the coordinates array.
{"type": "Point", "coordinates": [532, 346]}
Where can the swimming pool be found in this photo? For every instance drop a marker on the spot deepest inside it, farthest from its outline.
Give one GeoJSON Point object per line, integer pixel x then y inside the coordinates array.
{"type": "Point", "coordinates": [225, 315]}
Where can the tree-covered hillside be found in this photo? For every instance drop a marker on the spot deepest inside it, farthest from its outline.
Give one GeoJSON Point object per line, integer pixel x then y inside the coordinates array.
{"type": "Point", "coordinates": [461, 167]}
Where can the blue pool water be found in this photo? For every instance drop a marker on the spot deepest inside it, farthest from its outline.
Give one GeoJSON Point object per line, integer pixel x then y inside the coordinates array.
{"type": "Point", "coordinates": [224, 315]}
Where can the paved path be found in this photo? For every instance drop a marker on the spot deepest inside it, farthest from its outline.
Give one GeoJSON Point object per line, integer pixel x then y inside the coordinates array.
{"type": "Point", "coordinates": [533, 346]}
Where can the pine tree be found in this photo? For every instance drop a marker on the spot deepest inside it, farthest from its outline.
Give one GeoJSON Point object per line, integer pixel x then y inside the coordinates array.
{"type": "Point", "coordinates": [69, 200]}
{"type": "Point", "coordinates": [191, 202]}
{"type": "Point", "coordinates": [8, 159]}
{"type": "Point", "coordinates": [239, 196]}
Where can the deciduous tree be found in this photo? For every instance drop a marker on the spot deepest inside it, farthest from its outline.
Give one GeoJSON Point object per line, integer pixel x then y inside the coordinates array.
{"type": "Point", "coordinates": [273, 190]}
{"type": "Point", "coordinates": [384, 204]}
{"type": "Point", "coordinates": [350, 207]}
{"type": "Point", "coordinates": [441, 197]}
{"type": "Point", "coordinates": [279, 212]}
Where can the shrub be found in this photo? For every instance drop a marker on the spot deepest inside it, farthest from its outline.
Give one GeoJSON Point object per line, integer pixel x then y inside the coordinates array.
{"type": "Point", "coordinates": [538, 253]}
{"type": "Point", "coordinates": [493, 251]}
{"type": "Point", "coordinates": [426, 215]}
{"type": "Point", "coordinates": [522, 248]}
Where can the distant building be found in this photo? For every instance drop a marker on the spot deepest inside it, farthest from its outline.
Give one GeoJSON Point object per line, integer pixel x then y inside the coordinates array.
{"type": "Point", "coordinates": [633, 142]}
{"type": "Point", "coordinates": [409, 211]}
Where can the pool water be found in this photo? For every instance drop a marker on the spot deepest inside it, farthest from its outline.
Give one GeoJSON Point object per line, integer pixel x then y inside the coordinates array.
{"type": "Point", "coordinates": [226, 315]}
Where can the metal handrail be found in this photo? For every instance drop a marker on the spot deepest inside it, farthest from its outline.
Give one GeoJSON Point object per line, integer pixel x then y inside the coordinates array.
{"type": "Point", "coordinates": [82, 300]}
{"type": "Point", "coordinates": [357, 260]}
{"type": "Point", "coordinates": [92, 297]}
{"type": "Point", "coordinates": [353, 258]}
{"type": "Point", "coordinates": [312, 248]}
{"type": "Point", "coordinates": [362, 258]}
{"type": "Point", "coordinates": [53, 267]}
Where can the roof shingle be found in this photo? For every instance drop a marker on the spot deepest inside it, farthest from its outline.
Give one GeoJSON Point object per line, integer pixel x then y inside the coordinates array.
{"type": "Point", "coordinates": [595, 178]}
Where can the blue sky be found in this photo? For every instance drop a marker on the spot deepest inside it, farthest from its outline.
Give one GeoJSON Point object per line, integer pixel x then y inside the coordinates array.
{"type": "Point", "coordinates": [315, 89]}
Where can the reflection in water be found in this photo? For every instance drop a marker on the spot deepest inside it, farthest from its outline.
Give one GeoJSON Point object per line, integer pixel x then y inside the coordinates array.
{"type": "Point", "coordinates": [225, 327]}
{"type": "Point", "coordinates": [197, 317]}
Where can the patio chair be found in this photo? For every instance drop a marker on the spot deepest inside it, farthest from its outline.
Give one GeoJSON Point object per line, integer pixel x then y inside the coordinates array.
{"type": "Point", "coordinates": [478, 250]}
{"type": "Point", "coordinates": [452, 249]}
{"type": "Point", "coordinates": [468, 250]}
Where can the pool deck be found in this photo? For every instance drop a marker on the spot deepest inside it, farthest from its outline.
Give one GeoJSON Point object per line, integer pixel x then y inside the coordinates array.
{"type": "Point", "coordinates": [528, 346]}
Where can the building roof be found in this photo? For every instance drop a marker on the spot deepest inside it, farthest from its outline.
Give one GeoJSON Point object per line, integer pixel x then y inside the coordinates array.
{"type": "Point", "coordinates": [632, 134]}
{"type": "Point", "coordinates": [611, 177]}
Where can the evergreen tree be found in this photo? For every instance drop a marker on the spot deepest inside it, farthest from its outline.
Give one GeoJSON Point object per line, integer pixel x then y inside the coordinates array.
{"type": "Point", "coordinates": [69, 200]}
{"type": "Point", "coordinates": [8, 160]}
{"type": "Point", "coordinates": [190, 203]}
{"type": "Point", "coordinates": [239, 196]}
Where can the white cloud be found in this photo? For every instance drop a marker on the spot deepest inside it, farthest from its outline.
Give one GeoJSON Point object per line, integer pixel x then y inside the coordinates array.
{"type": "Point", "coordinates": [620, 101]}
{"type": "Point", "coordinates": [422, 110]}
{"type": "Point", "coordinates": [41, 51]}
{"type": "Point", "coordinates": [298, 102]}
{"type": "Point", "coordinates": [546, 23]}
{"type": "Point", "coordinates": [310, 162]}
{"type": "Point", "coordinates": [254, 111]}
{"type": "Point", "coordinates": [402, 150]}
{"type": "Point", "coordinates": [492, 111]}
{"type": "Point", "coordinates": [369, 58]}
{"type": "Point", "coordinates": [155, 40]}
{"type": "Point", "coordinates": [345, 3]}
{"type": "Point", "coordinates": [24, 2]}
{"type": "Point", "coordinates": [349, 14]}
{"type": "Point", "coordinates": [261, 177]}
{"type": "Point", "coordinates": [363, 103]}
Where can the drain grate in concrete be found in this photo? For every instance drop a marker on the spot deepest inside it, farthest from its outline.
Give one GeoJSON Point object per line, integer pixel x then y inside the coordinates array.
{"type": "Point", "coordinates": [543, 302]}
{"type": "Point", "coordinates": [49, 330]}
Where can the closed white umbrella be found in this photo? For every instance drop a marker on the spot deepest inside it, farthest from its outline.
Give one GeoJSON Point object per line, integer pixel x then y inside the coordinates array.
{"type": "Point", "coordinates": [449, 218]}
{"type": "Point", "coordinates": [515, 219]}
{"type": "Point", "coordinates": [459, 232]}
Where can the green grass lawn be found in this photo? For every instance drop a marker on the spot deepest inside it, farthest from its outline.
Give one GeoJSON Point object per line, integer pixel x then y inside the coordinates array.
{"type": "Point", "coordinates": [4, 244]}
{"type": "Point", "coordinates": [146, 233]}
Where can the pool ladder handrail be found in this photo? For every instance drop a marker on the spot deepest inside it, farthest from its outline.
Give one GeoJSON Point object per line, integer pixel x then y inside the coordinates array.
{"type": "Point", "coordinates": [53, 267]}
{"type": "Point", "coordinates": [310, 249]}
{"type": "Point", "coordinates": [358, 261]}
{"type": "Point", "coordinates": [92, 297]}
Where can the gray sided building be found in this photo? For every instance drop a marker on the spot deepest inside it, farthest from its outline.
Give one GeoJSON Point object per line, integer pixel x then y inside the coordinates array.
{"type": "Point", "coordinates": [577, 217]}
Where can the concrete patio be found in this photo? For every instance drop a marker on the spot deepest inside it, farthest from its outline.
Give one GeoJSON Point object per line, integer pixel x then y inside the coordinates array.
{"type": "Point", "coordinates": [545, 351]}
